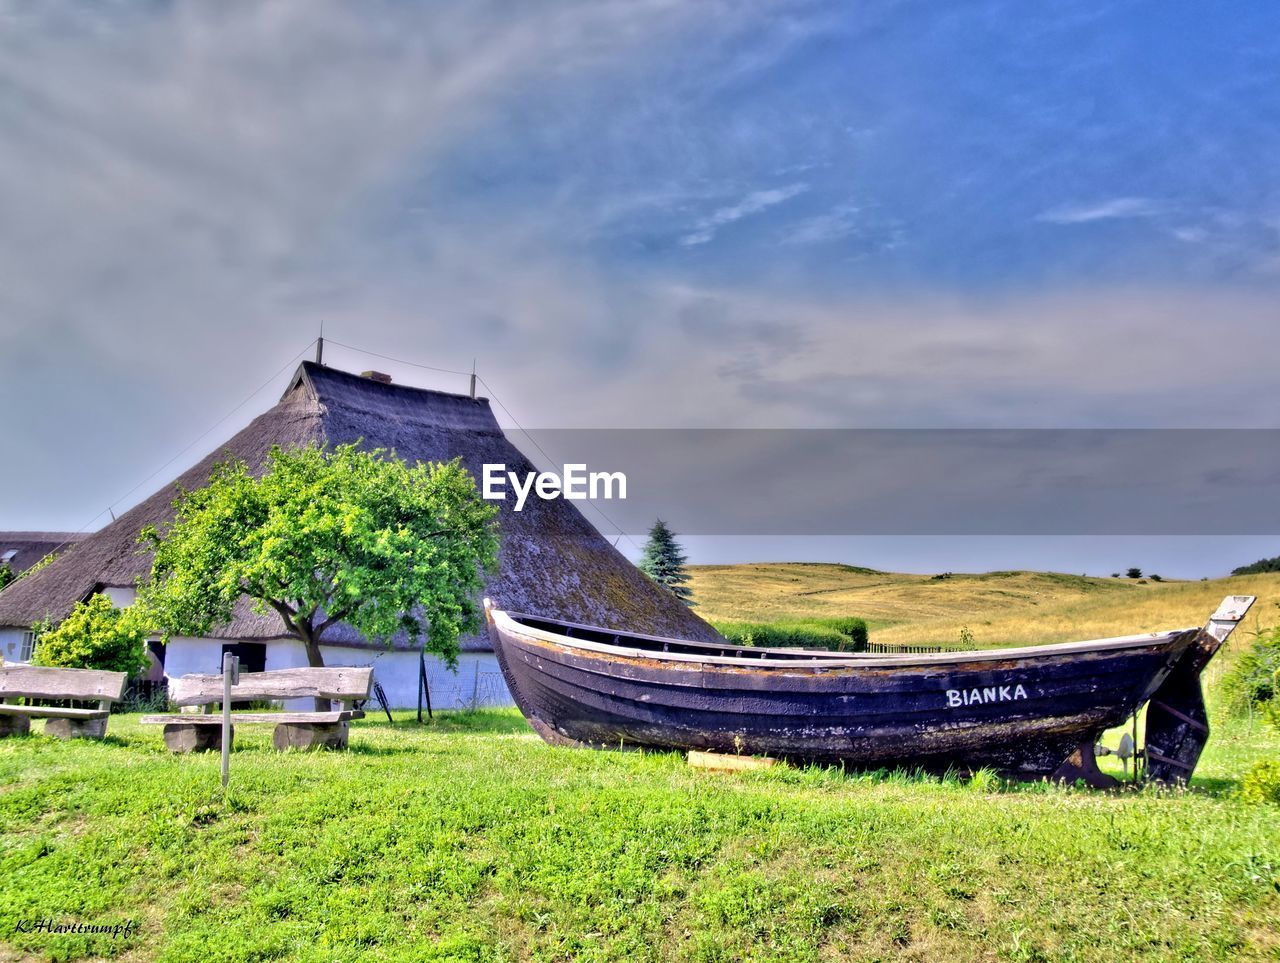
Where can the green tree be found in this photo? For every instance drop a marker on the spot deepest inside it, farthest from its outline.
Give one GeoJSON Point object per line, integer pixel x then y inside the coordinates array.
{"type": "Point", "coordinates": [6, 574]}
{"type": "Point", "coordinates": [663, 561]}
{"type": "Point", "coordinates": [1133, 573]}
{"type": "Point", "coordinates": [324, 536]}
{"type": "Point", "coordinates": [96, 635]}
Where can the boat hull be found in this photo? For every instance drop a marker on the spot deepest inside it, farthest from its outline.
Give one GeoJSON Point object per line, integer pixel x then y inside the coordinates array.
{"type": "Point", "coordinates": [1022, 715]}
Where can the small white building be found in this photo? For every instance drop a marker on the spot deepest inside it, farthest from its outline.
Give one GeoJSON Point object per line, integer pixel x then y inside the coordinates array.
{"type": "Point", "coordinates": [551, 562]}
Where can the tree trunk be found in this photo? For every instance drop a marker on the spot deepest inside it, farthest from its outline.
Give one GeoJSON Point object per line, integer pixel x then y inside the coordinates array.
{"type": "Point", "coordinates": [315, 659]}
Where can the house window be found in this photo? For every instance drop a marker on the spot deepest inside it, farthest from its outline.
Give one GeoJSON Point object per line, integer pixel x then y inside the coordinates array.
{"type": "Point", "coordinates": [28, 646]}
{"type": "Point", "coordinates": [7, 557]}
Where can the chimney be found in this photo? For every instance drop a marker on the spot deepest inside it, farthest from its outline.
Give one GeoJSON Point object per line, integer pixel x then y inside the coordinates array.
{"type": "Point", "coordinates": [377, 376]}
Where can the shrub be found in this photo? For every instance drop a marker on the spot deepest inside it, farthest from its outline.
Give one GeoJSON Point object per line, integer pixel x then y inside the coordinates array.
{"type": "Point", "coordinates": [96, 635]}
{"type": "Point", "coordinates": [847, 625]}
{"type": "Point", "coordinates": [842, 633]}
{"type": "Point", "coordinates": [1261, 784]}
{"type": "Point", "coordinates": [1253, 681]}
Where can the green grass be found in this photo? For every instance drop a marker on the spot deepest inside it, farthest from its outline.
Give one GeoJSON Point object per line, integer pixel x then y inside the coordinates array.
{"type": "Point", "coordinates": [469, 839]}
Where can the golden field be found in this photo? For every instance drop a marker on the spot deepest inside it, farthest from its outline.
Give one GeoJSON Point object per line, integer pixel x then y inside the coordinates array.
{"type": "Point", "coordinates": [997, 608]}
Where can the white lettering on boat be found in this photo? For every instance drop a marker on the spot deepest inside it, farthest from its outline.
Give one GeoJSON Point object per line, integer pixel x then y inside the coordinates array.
{"type": "Point", "coordinates": [992, 693]}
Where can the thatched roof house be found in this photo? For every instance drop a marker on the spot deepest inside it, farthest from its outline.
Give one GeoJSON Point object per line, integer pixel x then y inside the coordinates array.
{"type": "Point", "coordinates": [552, 561]}
{"type": "Point", "coordinates": [20, 550]}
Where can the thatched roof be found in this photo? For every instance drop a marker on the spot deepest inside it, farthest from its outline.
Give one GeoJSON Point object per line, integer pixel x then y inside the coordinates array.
{"type": "Point", "coordinates": [30, 547]}
{"type": "Point", "coordinates": [552, 561]}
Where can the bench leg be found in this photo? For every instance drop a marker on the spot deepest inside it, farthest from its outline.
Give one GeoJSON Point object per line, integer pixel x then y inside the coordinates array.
{"type": "Point", "coordinates": [180, 737]}
{"type": "Point", "coordinates": [14, 726]}
{"type": "Point", "coordinates": [310, 735]}
{"type": "Point", "coordinates": [76, 728]}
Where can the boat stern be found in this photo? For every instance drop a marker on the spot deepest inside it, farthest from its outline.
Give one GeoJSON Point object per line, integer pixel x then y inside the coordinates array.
{"type": "Point", "coordinates": [1177, 723]}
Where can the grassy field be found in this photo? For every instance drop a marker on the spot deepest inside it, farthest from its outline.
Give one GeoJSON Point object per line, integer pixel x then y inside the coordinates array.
{"type": "Point", "coordinates": [997, 608]}
{"type": "Point", "coordinates": [468, 839]}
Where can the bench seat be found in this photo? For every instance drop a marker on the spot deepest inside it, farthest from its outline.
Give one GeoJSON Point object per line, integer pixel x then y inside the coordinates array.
{"type": "Point", "coordinates": [52, 712]}
{"type": "Point", "coordinates": [193, 719]}
{"type": "Point", "coordinates": [197, 731]}
{"type": "Point", "coordinates": [47, 682]}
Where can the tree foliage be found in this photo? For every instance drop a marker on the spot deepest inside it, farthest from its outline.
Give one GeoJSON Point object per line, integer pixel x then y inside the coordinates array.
{"type": "Point", "coordinates": [326, 536]}
{"type": "Point", "coordinates": [96, 635]}
{"type": "Point", "coordinates": [6, 574]}
{"type": "Point", "coordinates": [663, 561]}
{"type": "Point", "coordinates": [1259, 567]}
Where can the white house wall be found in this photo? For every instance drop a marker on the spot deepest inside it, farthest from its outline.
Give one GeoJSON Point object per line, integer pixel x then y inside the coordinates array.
{"type": "Point", "coordinates": [121, 596]}
{"type": "Point", "coordinates": [477, 682]}
{"type": "Point", "coordinates": [11, 644]}
{"type": "Point", "coordinates": [185, 656]}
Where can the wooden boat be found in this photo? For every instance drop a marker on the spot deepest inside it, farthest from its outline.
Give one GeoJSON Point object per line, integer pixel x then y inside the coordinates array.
{"type": "Point", "coordinates": [1028, 712]}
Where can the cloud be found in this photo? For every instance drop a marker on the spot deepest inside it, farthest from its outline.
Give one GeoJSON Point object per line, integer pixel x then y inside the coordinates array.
{"type": "Point", "coordinates": [189, 189]}
{"type": "Point", "coordinates": [753, 203]}
{"type": "Point", "coordinates": [1117, 208]}
{"type": "Point", "coordinates": [927, 360]}
{"type": "Point", "coordinates": [840, 222]}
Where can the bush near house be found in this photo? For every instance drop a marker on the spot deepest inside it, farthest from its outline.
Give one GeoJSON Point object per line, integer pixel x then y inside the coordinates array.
{"type": "Point", "coordinates": [96, 635]}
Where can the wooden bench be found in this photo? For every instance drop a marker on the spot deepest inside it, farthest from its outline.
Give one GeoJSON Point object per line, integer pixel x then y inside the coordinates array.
{"type": "Point", "coordinates": [41, 682]}
{"type": "Point", "coordinates": [201, 728]}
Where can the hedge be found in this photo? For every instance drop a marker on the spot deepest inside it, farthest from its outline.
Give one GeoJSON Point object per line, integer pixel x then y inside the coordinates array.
{"type": "Point", "coordinates": [841, 633]}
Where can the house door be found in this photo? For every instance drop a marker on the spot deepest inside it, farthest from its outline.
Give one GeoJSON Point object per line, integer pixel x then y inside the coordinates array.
{"type": "Point", "coordinates": [253, 655]}
{"type": "Point", "coordinates": [253, 658]}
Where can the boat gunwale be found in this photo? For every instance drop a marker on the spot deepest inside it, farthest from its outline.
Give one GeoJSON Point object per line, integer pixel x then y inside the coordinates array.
{"type": "Point", "coordinates": [825, 658]}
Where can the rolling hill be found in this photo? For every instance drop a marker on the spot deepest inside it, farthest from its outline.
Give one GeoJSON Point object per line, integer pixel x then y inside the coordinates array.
{"type": "Point", "coordinates": [997, 608]}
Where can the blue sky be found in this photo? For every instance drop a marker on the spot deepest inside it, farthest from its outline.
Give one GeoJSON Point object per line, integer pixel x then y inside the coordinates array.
{"type": "Point", "coordinates": [645, 213]}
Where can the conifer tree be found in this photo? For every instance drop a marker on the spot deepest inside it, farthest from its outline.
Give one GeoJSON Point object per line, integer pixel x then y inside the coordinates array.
{"type": "Point", "coordinates": [663, 561]}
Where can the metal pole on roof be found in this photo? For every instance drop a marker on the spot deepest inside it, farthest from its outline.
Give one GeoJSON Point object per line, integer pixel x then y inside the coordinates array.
{"type": "Point", "coordinates": [473, 377]}
{"type": "Point", "coordinates": [320, 350]}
